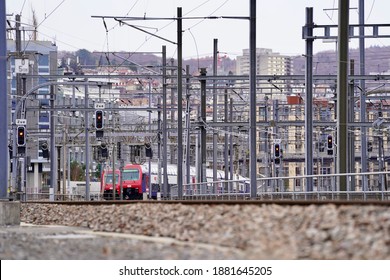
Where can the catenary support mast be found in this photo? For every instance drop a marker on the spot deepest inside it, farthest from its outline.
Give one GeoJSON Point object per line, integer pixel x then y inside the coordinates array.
{"type": "Point", "coordinates": [4, 161]}
{"type": "Point", "coordinates": [252, 90]}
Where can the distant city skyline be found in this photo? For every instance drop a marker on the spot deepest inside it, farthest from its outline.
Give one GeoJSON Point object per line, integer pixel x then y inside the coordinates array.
{"type": "Point", "coordinates": [69, 24]}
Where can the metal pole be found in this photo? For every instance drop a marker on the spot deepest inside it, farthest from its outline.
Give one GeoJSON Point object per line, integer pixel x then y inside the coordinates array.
{"type": "Point", "coordinates": [53, 156]}
{"type": "Point", "coordinates": [159, 144]}
{"type": "Point", "coordinates": [381, 159]}
{"type": "Point", "coordinates": [351, 133]}
{"type": "Point", "coordinates": [68, 171]}
{"type": "Point", "coordinates": [86, 120]}
{"type": "Point", "coordinates": [342, 93]}
{"type": "Point", "coordinates": [309, 100]}
{"type": "Point", "coordinates": [179, 103]}
{"type": "Point", "coordinates": [203, 143]}
{"type": "Point", "coordinates": [150, 142]}
{"type": "Point", "coordinates": [252, 90]}
{"type": "Point", "coordinates": [15, 162]}
{"type": "Point", "coordinates": [215, 111]}
{"type": "Point", "coordinates": [64, 159]}
{"type": "Point", "coordinates": [363, 130]}
{"type": "Point", "coordinates": [231, 169]}
{"type": "Point", "coordinates": [198, 153]}
{"type": "Point", "coordinates": [164, 128]}
{"type": "Point", "coordinates": [188, 120]}
{"type": "Point", "coordinates": [4, 161]}
{"type": "Point", "coordinates": [58, 192]}
{"type": "Point", "coordinates": [113, 170]}
{"type": "Point", "coordinates": [275, 105]}
{"type": "Point", "coordinates": [173, 103]}
{"type": "Point", "coordinates": [113, 157]}
{"type": "Point", "coordinates": [266, 144]}
{"type": "Point", "coordinates": [226, 144]}
{"type": "Point", "coordinates": [121, 166]}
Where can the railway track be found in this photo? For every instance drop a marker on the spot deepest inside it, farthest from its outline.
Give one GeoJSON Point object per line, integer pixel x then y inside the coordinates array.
{"type": "Point", "coordinates": [221, 202]}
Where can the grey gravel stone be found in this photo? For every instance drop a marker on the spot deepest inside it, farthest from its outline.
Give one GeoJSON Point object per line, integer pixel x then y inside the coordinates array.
{"type": "Point", "coordinates": [237, 231]}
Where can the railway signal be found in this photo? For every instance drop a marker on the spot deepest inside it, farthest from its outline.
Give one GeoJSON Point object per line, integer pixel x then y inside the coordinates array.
{"type": "Point", "coordinates": [330, 145]}
{"type": "Point", "coordinates": [104, 151]}
{"type": "Point", "coordinates": [119, 150]}
{"type": "Point", "coordinates": [45, 150]}
{"type": "Point", "coordinates": [99, 123]}
{"type": "Point", "coordinates": [148, 150]}
{"type": "Point", "coordinates": [21, 136]}
{"type": "Point", "coordinates": [99, 119]}
{"type": "Point", "coordinates": [277, 154]}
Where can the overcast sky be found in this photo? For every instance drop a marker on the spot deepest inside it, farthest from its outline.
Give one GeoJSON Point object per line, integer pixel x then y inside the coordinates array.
{"type": "Point", "coordinates": [279, 24]}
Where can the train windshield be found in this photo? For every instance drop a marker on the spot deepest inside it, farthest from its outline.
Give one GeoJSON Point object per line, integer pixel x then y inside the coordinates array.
{"type": "Point", "coordinates": [109, 178]}
{"type": "Point", "coordinates": [130, 174]}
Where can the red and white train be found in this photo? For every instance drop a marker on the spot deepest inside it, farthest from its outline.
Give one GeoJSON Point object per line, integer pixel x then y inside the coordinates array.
{"type": "Point", "coordinates": [137, 180]}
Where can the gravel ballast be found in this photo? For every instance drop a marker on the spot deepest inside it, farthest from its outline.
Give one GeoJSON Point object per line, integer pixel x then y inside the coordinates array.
{"type": "Point", "coordinates": [259, 232]}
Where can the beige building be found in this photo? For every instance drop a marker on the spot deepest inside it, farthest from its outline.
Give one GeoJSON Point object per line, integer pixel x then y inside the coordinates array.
{"type": "Point", "coordinates": [267, 63]}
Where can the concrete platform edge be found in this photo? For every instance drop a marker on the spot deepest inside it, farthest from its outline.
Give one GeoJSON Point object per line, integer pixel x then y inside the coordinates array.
{"type": "Point", "coordinates": [9, 213]}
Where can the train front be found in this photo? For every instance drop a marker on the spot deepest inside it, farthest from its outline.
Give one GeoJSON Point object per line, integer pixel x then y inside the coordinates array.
{"type": "Point", "coordinates": [108, 182]}
{"type": "Point", "coordinates": [133, 182]}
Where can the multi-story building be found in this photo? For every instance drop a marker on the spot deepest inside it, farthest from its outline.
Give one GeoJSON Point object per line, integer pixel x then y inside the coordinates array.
{"type": "Point", "coordinates": [38, 60]}
{"type": "Point", "coordinates": [267, 63]}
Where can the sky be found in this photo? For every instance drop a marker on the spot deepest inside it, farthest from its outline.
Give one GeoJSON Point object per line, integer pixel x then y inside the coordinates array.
{"type": "Point", "coordinates": [69, 23]}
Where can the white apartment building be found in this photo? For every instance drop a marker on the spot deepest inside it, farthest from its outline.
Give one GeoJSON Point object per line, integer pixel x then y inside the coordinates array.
{"type": "Point", "coordinates": [267, 63]}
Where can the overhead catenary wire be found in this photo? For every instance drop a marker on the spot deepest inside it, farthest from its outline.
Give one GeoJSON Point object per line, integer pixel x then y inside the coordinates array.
{"type": "Point", "coordinates": [21, 10]}
{"type": "Point", "coordinates": [223, 4]}
{"type": "Point", "coordinates": [173, 19]}
{"type": "Point", "coordinates": [128, 12]}
{"type": "Point", "coordinates": [196, 46]}
{"type": "Point", "coordinates": [52, 12]}
{"type": "Point", "coordinates": [372, 7]}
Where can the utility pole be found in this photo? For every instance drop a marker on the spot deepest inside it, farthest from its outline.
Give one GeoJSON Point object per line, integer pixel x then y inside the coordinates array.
{"type": "Point", "coordinates": [173, 102]}
{"type": "Point", "coordinates": [4, 161]}
{"type": "Point", "coordinates": [252, 92]}
{"type": "Point", "coordinates": [363, 130]}
{"type": "Point", "coordinates": [166, 191]}
{"type": "Point", "coordinates": [309, 100]}
{"type": "Point", "coordinates": [215, 110]}
{"type": "Point", "coordinates": [203, 143]}
{"type": "Point", "coordinates": [150, 130]}
{"type": "Point", "coordinates": [179, 103]}
{"type": "Point", "coordinates": [158, 144]}
{"type": "Point", "coordinates": [121, 166]}
{"type": "Point", "coordinates": [351, 133]}
{"type": "Point", "coordinates": [342, 93]}
{"type": "Point", "coordinates": [231, 147]}
{"type": "Point", "coordinates": [87, 147]}
{"type": "Point", "coordinates": [188, 123]}
{"type": "Point", "coordinates": [226, 144]}
{"type": "Point", "coordinates": [58, 189]}
{"type": "Point", "coordinates": [64, 155]}
{"type": "Point", "coordinates": [113, 170]}
{"type": "Point", "coordinates": [15, 162]}
{"type": "Point", "coordinates": [53, 151]}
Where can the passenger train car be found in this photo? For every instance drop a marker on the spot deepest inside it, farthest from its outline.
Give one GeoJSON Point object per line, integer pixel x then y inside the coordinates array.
{"type": "Point", "coordinates": [136, 180]}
